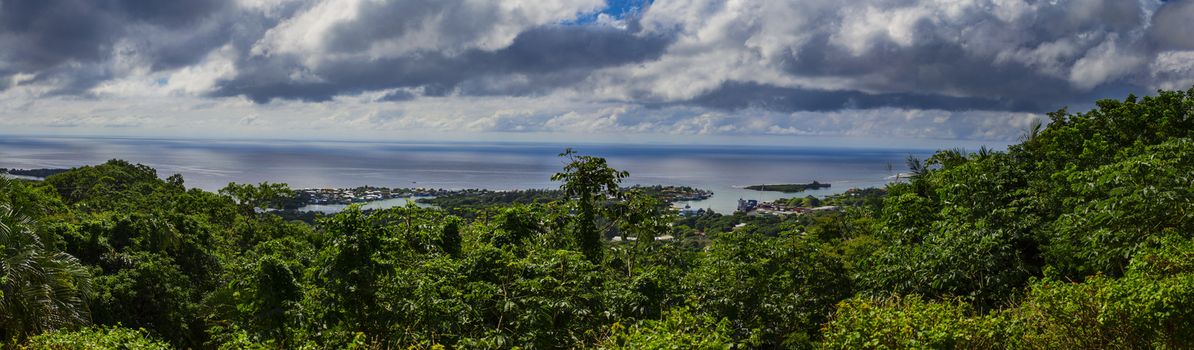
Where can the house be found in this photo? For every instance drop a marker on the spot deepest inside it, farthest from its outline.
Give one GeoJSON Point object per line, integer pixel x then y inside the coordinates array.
{"type": "Point", "coordinates": [747, 205]}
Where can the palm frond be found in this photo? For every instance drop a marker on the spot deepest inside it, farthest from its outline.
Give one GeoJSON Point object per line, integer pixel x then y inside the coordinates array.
{"type": "Point", "coordinates": [41, 289]}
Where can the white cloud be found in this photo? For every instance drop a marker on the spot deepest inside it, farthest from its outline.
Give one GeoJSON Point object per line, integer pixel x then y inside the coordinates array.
{"type": "Point", "coordinates": [983, 58]}
{"type": "Point", "coordinates": [1174, 69]}
{"type": "Point", "coordinates": [339, 29]}
{"type": "Point", "coordinates": [1105, 62]}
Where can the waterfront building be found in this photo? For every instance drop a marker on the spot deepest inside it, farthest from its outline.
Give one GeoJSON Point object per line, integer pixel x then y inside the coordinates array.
{"type": "Point", "coordinates": [747, 205]}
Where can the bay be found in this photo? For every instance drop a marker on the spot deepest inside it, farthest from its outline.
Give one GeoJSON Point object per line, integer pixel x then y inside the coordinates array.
{"type": "Point", "coordinates": [726, 170]}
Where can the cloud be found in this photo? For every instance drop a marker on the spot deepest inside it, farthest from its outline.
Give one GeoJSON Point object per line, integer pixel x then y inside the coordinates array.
{"type": "Point", "coordinates": [1170, 27]}
{"type": "Point", "coordinates": [918, 68]}
{"type": "Point", "coordinates": [1014, 54]}
{"type": "Point", "coordinates": [740, 95]}
{"type": "Point", "coordinates": [398, 96]}
{"type": "Point", "coordinates": [543, 57]}
{"type": "Point", "coordinates": [77, 44]}
{"type": "Point", "coordinates": [95, 122]}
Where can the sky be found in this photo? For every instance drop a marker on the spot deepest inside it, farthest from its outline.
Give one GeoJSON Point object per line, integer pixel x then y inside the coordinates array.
{"type": "Point", "coordinates": [684, 71]}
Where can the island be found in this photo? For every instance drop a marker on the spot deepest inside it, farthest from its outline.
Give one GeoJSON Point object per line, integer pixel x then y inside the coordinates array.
{"type": "Point", "coordinates": [789, 188]}
{"type": "Point", "coordinates": [854, 197]}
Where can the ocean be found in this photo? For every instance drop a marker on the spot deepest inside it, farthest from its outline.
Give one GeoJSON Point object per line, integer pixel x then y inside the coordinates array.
{"type": "Point", "coordinates": [725, 170]}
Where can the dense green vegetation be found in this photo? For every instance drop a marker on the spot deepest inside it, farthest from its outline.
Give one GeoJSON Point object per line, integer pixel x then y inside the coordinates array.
{"type": "Point", "coordinates": [465, 201]}
{"type": "Point", "coordinates": [1081, 236]}
{"type": "Point", "coordinates": [472, 200]}
{"type": "Point", "coordinates": [789, 188]}
{"type": "Point", "coordinates": [96, 338]}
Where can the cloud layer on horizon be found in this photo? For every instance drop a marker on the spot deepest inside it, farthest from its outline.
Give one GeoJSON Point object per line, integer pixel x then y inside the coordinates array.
{"type": "Point", "coordinates": [976, 69]}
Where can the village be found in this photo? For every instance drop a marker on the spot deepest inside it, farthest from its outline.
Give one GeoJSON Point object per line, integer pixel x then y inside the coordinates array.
{"type": "Point", "coordinates": [799, 205]}
{"type": "Point", "coordinates": [363, 194]}
{"type": "Point", "coordinates": [782, 207]}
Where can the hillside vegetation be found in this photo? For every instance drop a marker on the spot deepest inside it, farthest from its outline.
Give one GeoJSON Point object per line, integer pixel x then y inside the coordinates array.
{"type": "Point", "coordinates": [1081, 236]}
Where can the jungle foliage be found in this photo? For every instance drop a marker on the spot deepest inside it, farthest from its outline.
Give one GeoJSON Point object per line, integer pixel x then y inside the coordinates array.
{"type": "Point", "coordinates": [1080, 236]}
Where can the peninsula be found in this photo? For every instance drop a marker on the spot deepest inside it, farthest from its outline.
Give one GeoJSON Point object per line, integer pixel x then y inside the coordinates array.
{"type": "Point", "coordinates": [36, 173]}
{"type": "Point", "coordinates": [789, 188]}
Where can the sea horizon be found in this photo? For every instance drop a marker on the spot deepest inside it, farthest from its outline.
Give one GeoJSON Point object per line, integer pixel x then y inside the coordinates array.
{"type": "Point", "coordinates": [210, 164]}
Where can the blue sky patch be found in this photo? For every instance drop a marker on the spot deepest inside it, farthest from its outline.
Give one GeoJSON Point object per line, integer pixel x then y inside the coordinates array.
{"type": "Point", "coordinates": [615, 8]}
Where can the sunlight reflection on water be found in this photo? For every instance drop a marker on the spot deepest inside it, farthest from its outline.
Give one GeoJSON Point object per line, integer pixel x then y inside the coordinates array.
{"type": "Point", "coordinates": [500, 166]}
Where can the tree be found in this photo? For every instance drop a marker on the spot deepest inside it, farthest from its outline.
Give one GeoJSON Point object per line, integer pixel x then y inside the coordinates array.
{"type": "Point", "coordinates": [275, 292]}
{"type": "Point", "coordinates": [642, 216]}
{"type": "Point", "coordinates": [105, 185]}
{"type": "Point", "coordinates": [810, 202]}
{"type": "Point", "coordinates": [351, 267]}
{"type": "Point", "coordinates": [148, 290]}
{"type": "Point", "coordinates": [776, 291]}
{"type": "Point", "coordinates": [29, 199]}
{"type": "Point", "coordinates": [449, 238]}
{"type": "Point", "coordinates": [40, 289]}
{"type": "Point", "coordinates": [176, 180]}
{"type": "Point", "coordinates": [259, 197]}
{"type": "Point", "coordinates": [515, 225]}
{"type": "Point", "coordinates": [1116, 207]}
{"type": "Point", "coordinates": [588, 181]}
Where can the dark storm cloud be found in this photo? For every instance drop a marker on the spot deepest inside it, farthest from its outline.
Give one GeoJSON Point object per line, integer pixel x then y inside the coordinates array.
{"type": "Point", "coordinates": [394, 19]}
{"type": "Point", "coordinates": [542, 55]}
{"type": "Point", "coordinates": [744, 95]}
{"type": "Point", "coordinates": [976, 58]}
{"type": "Point", "coordinates": [45, 33]}
{"type": "Point", "coordinates": [747, 95]}
{"type": "Point", "coordinates": [990, 61]}
{"type": "Point", "coordinates": [170, 14]}
{"type": "Point", "coordinates": [397, 96]}
{"type": "Point", "coordinates": [49, 37]}
{"type": "Point", "coordinates": [1171, 28]}
{"type": "Point", "coordinates": [934, 67]}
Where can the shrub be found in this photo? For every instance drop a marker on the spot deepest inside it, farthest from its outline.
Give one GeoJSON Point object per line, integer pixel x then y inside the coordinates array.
{"type": "Point", "coordinates": [913, 323]}
{"type": "Point", "coordinates": [679, 329]}
{"type": "Point", "coordinates": [96, 338]}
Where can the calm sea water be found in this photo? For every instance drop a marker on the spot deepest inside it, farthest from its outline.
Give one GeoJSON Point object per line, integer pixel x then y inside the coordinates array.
{"type": "Point", "coordinates": [211, 164]}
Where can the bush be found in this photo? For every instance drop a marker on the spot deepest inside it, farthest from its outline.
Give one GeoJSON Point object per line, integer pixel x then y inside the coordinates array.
{"type": "Point", "coordinates": [1151, 307]}
{"type": "Point", "coordinates": [679, 329]}
{"type": "Point", "coordinates": [913, 323]}
{"type": "Point", "coordinates": [96, 338]}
